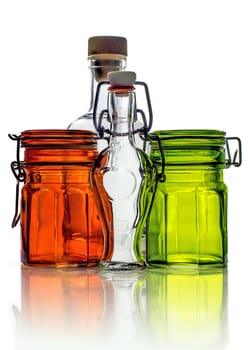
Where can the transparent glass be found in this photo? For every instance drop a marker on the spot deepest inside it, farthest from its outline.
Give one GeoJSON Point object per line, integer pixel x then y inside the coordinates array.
{"type": "Point", "coordinates": [99, 69]}
{"type": "Point", "coordinates": [60, 225]}
{"type": "Point", "coordinates": [188, 220]}
{"type": "Point", "coordinates": [124, 179]}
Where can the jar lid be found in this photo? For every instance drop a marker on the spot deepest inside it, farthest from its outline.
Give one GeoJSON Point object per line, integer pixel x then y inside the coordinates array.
{"type": "Point", "coordinates": [188, 147]}
{"type": "Point", "coordinates": [189, 137]}
{"type": "Point", "coordinates": [116, 45]}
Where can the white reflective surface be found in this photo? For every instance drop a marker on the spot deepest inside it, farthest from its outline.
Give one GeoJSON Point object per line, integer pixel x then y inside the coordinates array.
{"type": "Point", "coordinates": [78, 308]}
{"type": "Point", "coordinates": [150, 309]}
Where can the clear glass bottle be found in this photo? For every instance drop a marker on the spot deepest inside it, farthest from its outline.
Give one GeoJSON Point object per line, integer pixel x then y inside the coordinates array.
{"type": "Point", "coordinates": [105, 54]}
{"type": "Point", "coordinates": [123, 179]}
{"type": "Point", "coordinates": [187, 224]}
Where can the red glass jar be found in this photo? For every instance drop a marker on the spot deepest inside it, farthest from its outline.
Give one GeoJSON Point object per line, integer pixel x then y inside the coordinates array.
{"type": "Point", "coordinates": [60, 225]}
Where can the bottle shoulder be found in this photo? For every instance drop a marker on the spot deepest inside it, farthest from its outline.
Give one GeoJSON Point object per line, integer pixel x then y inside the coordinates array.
{"type": "Point", "coordinates": [84, 122]}
{"type": "Point", "coordinates": [126, 155]}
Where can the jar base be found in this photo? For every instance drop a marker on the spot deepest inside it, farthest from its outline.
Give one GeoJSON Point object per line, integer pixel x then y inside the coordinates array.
{"type": "Point", "coordinates": [60, 264]}
{"type": "Point", "coordinates": [189, 260]}
{"type": "Point", "coordinates": [185, 266]}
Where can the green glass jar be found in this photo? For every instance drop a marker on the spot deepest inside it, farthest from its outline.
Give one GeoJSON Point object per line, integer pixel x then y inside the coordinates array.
{"type": "Point", "coordinates": [187, 224]}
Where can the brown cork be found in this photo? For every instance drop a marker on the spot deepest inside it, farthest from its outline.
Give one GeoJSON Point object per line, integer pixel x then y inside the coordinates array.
{"type": "Point", "coordinates": [107, 45]}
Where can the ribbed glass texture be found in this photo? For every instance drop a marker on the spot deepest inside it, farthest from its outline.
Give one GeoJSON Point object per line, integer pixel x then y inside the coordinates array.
{"type": "Point", "coordinates": [188, 220]}
{"type": "Point", "coordinates": [59, 220]}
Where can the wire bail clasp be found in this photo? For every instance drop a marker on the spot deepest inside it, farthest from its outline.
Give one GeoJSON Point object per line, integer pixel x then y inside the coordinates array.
{"type": "Point", "coordinates": [20, 175]}
{"type": "Point", "coordinates": [98, 121]}
{"type": "Point", "coordinates": [160, 175]}
{"type": "Point", "coordinates": [236, 159]}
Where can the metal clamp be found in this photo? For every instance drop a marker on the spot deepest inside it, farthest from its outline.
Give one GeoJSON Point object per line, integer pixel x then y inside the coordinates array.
{"type": "Point", "coordinates": [236, 159]}
{"type": "Point", "coordinates": [20, 175]}
{"type": "Point", "coordinates": [98, 123]}
{"type": "Point", "coordinates": [147, 137]}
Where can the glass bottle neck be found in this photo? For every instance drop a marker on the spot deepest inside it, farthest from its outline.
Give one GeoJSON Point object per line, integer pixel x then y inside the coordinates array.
{"type": "Point", "coordinates": [121, 107]}
{"type": "Point", "coordinates": [99, 68]}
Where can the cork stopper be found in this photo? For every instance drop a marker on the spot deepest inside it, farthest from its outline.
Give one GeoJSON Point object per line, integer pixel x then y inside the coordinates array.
{"type": "Point", "coordinates": [122, 79]}
{"type": "Point", "coordinates": [114, 45]}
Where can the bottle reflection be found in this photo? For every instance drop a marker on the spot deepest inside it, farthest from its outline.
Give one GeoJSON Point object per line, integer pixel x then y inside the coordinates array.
{"type": "Point", "coordinates": [128, 286]}
{"type": "Point", "coordinates": [66, 307]}
{"type": "Point", "coordinates": [187, 309]}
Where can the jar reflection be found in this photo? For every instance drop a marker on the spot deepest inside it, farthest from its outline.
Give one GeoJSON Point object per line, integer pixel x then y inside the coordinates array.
{"type": "Point", "coordinates": [62, 306]}
{"type": "Point", "coordinates": [148, 309]}
{"type": "Point", "coordinates": [186, 308]}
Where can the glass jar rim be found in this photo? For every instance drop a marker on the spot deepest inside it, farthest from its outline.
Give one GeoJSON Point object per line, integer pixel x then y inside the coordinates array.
{"type": "Point", "coordinates": [192, 147]}
{"type": "Point", "coordinates": [189, 132]}
{"type": "Point", "coordinates": [58, 137]}
{"type": "Point", "coordinates": [181, 138]}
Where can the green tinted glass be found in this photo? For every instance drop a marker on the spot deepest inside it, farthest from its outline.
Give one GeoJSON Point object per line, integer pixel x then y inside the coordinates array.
{"type": "Point", "coordinates": [188, 219]}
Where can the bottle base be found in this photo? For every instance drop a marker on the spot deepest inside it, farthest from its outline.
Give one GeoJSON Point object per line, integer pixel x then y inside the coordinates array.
{"type": "Point", "coordinates": [121, 265]}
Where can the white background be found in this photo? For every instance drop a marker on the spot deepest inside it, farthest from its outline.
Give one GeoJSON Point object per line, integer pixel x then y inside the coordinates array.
{"type": "Point", "coordinates": [194, 57]}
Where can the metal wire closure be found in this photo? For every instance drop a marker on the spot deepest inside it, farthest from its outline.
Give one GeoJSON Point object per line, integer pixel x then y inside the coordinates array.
{"type": "Point", "coordinates": [20, 175]}
{"type": "Point", "coordinates": [147, 137]}
{"type": "Point", "coordinates": [98, 122]}
{"type": "Point", "coordinates": [17, 166]}
{"type": "Point", "coordinates": [147, 127]}
{"type": "Point", "coordinates": [235, 159]}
